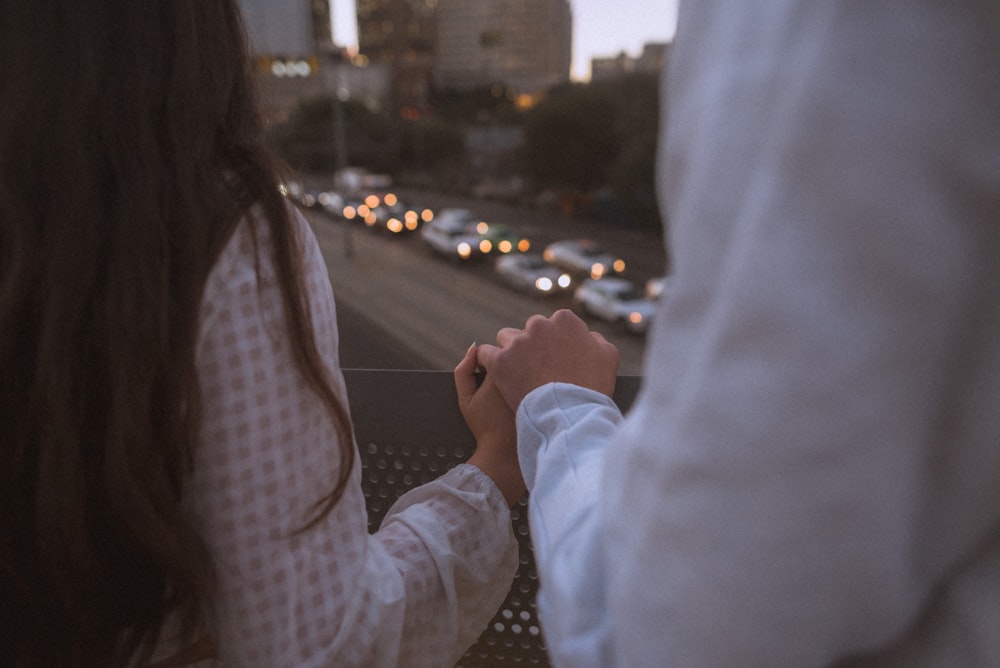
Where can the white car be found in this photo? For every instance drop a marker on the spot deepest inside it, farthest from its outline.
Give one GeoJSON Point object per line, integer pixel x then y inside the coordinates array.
{"type": "Point", "coordinates": [452, 233]}
{"type": "Point", "coordinates": [332, 202]}
{"type": "Point", "coordinates": [584, 256]}
{"type": "Point", "coordinates": [616, 300]}
{"type": "Point", "coordinates": [529, 272]}
{"type": "Point", "coordinates": [453, 217]}
{"type": "Point", "coordinates": [658, 286]}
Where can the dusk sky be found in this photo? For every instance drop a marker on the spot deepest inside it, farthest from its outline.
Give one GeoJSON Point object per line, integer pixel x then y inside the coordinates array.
{"type": "Point", "coordinates": [600, 27]}
{"type": "Point", "coordinates": [607, 27]}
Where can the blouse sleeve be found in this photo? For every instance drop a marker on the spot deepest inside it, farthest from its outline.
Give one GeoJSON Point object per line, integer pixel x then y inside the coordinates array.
{"type": "Point", "coordinates": [416, 593]}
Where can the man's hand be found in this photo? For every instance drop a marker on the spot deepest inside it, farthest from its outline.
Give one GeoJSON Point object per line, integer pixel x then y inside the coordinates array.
{"type": "Point", "coordinates": [556, 349]}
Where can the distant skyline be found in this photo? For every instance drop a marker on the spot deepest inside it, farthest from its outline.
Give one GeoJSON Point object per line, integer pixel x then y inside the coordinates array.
{"type": "Point", "coordinates": [601, 28]}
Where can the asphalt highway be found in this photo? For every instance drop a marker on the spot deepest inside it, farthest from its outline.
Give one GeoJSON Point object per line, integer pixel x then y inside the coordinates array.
{"type": "Point", "coordinates": [402, 307]}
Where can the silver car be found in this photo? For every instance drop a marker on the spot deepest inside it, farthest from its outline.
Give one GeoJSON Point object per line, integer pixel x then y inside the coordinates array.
{"type": "Point", "coordinates": [615, 300]}
{"type": "Point", "coordinates": [584, 256]}
{"type": "Point", "coordinates": [453, 234]}
{"type": "Point", "coordinates": [529, 272]}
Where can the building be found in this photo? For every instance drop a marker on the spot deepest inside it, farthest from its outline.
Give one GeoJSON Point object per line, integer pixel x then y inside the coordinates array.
{"type": "Point", "coordinates": [289, 28]}
{"type": "Point", "coordinates": [652, 60]}
{"type": "Point", "coordinates": [464, 44]}
{"type": "Point", "coordinates": [525, 45]}
{"type": "Point", "coordinates": [401, 35]}
{"type": "Point", "coordinates": [291, 40]}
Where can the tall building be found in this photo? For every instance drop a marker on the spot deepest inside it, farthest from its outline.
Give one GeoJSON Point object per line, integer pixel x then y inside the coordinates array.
{"type": "Point", "coordinates": [400, 35]}
{"type": "Point", "coordinates": [288, 28]}
{"type": "Point", "coordinates": [524, 44]}
{"type": "Point", "coordinates": [289, 39]}
{"type": "Point", "coordinates": [390, 30]}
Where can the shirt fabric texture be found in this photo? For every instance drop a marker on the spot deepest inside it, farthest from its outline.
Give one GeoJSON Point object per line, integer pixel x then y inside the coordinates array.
{"type": "Point", "coordinates": [809, 474]}
{"type": "Point", "coordinates": [418, 592]}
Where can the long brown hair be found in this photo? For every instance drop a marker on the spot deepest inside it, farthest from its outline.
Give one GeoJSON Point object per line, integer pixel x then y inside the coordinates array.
{"type": "Point", "coordinates": [129, 150]}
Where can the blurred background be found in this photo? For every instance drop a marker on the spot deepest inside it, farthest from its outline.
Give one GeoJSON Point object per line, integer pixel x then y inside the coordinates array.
{"type": "Point", "coordinates": [538, 117]}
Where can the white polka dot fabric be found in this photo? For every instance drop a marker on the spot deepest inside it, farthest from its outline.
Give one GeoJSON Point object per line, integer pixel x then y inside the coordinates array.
{"type": "Point", "coordinates": [416, 593]}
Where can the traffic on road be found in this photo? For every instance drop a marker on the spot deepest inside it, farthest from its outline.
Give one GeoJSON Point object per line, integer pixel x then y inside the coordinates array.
{"type": "Point", "coordinates": [479, 263]}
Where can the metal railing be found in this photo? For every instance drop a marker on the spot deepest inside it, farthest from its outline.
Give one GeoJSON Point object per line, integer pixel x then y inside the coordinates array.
{"type": "Point", "coordinates": [410, 431]}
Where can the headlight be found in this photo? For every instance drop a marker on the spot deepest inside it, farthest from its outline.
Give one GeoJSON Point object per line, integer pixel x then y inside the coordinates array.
{"type": "Point", "coordinates": [597, 270]}
{"type": "Point", "coordinates": [564, 280]}
{"type": "Point", "coordinates": [619, 266]}
{"type": "Point", "coordinates": [544, 283]}
{"type": "Point", "coordinates": [464, 250]}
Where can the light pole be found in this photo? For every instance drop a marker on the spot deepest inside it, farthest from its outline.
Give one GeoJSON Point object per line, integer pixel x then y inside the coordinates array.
{"type": "Point", "coordinates": [340, 96]}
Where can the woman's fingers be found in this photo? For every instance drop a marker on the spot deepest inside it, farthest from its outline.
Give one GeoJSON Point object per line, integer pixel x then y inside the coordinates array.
{"type": "Point", "coordinates": [465, 376]}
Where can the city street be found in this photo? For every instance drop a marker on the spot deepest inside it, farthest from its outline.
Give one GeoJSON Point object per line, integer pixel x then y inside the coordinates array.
{"type": "Point", "coordinates": [401, 307]}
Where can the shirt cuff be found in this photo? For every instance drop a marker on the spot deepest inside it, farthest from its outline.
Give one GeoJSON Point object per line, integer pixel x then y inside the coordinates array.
{"type": "Point", "coordinates": [563, 420]}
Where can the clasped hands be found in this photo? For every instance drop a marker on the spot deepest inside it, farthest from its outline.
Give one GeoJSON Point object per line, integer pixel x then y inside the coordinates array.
{"type": "Point", "coordinates": [559, 348]}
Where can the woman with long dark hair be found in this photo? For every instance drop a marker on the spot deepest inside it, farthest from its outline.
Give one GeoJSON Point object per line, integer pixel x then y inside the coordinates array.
{"type": "Point", "coordinates": [176, 456]}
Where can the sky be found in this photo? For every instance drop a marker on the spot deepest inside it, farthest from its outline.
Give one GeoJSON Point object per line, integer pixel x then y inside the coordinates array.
{"type": "Point", "coordinates": [601, 28]}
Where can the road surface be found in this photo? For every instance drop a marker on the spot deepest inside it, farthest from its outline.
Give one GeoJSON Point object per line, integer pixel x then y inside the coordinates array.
{"type": "Point", "coordinates": [402, 307]}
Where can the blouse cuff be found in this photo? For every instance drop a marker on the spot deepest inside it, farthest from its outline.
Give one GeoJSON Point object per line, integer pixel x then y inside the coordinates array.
{"type": "Point", "coordinates": [469, 477]}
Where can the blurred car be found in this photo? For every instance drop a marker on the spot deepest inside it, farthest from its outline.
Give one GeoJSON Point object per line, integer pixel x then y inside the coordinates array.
{"type": "Point", "coordinates": [615, 299]}
{"type": "Point", "coordinates": [529, 272]}
{"type": "Point", "coordinates": [393, 215]}
{"type": "Point", "coordinates": [502, 239]}
{"type": "Point", "coordinates": [584, 256]}
{"type": "Point", "coordinates": [455, 217]}
{"type": "Point", "coordinates": [361, 209]}
{"type": "Point", "coordinates": [452, 234]}
{"type": "Point", "coordinates": [332, 202]}
{"type": "Point", "coordinates": [309, 199]}
{"type": "Point", "coordinates": [658, 286]}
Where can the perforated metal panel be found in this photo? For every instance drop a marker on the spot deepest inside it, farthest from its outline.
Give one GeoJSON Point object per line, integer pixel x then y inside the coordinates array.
{"type": "Point", "coordinates": [409, 431]}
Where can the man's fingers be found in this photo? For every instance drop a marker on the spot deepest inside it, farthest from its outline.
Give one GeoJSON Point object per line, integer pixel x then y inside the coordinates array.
{"type": "Point", "coordinates": [506, 335]}
{"type": "Point", "coordinates": [599, 337]}
{"type": "Point", "coordinates": [485, 354]}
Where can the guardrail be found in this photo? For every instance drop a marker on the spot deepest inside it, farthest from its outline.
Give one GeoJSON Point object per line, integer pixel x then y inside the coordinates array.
{"type": "Point", "coordinates": [410, 431]}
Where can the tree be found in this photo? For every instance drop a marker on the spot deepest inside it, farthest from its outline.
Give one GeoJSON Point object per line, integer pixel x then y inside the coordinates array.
{"type": "Point", "coordinates": [427, 142]}
{"type": "Point", "coordinates": [307, 140]}
{"type": "Point", "coordinates": [569, 140]}
{"type": "Point", "coordinates": [598, 137]}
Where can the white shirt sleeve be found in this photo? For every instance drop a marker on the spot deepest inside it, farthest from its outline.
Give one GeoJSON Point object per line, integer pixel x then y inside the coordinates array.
{"type": "Point", "coordinates": [416, 593]}
{"type": "Point", "coordinates": [563, 431]}
{"type": "Point", "coordinates": [813, 457]}
{"type": "Point", "coordinates": [809, 473]}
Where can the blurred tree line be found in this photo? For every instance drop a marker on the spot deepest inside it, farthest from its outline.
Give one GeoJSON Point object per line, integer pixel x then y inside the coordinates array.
{"type": "Point", "coordinates": [586, 147]}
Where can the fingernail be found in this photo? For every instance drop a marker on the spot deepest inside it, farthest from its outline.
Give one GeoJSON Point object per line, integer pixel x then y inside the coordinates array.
{"type": "Point", "coordinates": [471, 348]}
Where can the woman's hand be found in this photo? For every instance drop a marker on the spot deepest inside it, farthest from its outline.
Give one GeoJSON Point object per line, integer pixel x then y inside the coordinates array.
{"type": "Point", "coordinates": [492, 424]}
